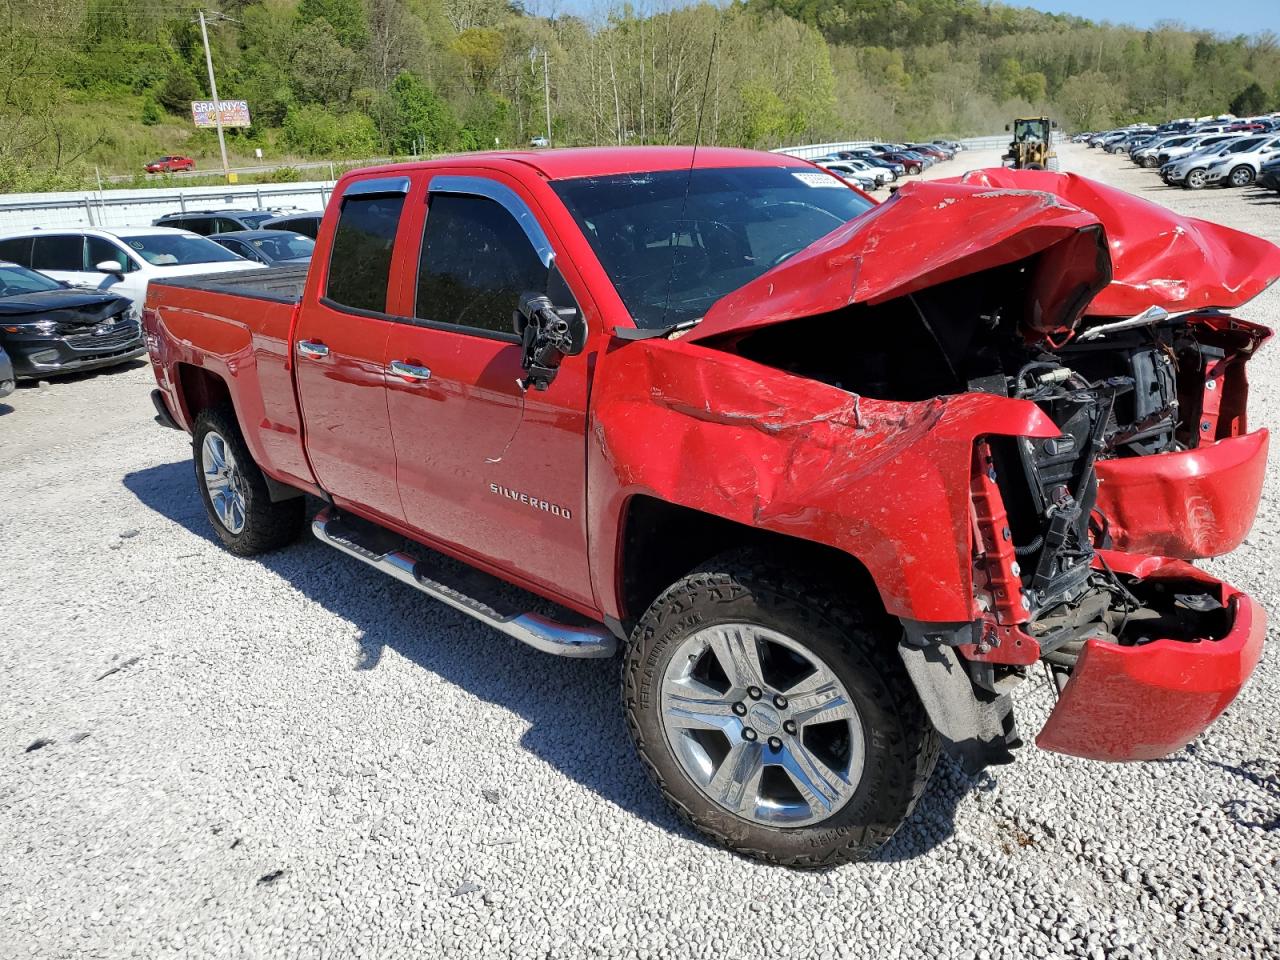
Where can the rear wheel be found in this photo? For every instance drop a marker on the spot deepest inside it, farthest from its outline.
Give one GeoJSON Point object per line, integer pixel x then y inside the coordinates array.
{"type": "Point", "coordinates": [778, 722]}
{"type": "Point", "coordinates": [234, 489]}
{"type": "Point", "coordinates": [1241, 176]}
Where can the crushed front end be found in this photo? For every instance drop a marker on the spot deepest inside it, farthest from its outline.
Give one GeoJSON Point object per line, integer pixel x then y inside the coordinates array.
{"type": "Point", "coordinates": [1111, 324]}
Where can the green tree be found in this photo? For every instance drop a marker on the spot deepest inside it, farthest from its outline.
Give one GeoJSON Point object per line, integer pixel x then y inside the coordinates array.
{"type": "Point", "coordinates": [481, 48]}
{"type": "Point", "coordinates": [179, 89]}
{"type": "Point", "coordinates": [347, 18]}
{"type": "Point", "coordinates": [1088, 100]}
{"type": "Point", "coordinates": [1032, 87]}
{"type": "Point", "coordinates": [317, 131]}
{"type": "Point", "coordinates": [1250, 101]}
{"type": "Point", "coordinates": [416, 115]}
{"type": "Point", "coordinates": [151, 112]}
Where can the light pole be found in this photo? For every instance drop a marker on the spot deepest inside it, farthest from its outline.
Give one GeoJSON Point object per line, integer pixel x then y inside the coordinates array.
{"type": "Point", "coordinates": [546, 82]}
{"type": "Point", "coordinates": [217, 104]}
{"type": "Point", "coordinates": [546, 93]}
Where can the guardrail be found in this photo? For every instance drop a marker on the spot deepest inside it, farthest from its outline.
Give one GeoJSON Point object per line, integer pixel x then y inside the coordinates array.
{"type": "Point", "coordinates": [133, 208]}
{"type": "Point", "coordinates": [809, 151]}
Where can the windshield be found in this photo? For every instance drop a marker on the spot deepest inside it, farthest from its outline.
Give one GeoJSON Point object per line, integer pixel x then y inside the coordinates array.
{"type": "Point", "coordinates": [286, 246]}
{"type": "Point", "coordinates": [1029, 130]}
{"type": "Point", "coordinates": [177, 249]}
{"type": "Point", "coordinates": [16, 281]}
{"type": "Point", "coordinates": [253, 221]}
{"type": "Point", "coordinates": [676, 241]}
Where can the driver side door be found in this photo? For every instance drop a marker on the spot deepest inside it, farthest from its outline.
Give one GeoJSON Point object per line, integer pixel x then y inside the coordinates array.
{"type": "Point", "coordinates": [484, 468]}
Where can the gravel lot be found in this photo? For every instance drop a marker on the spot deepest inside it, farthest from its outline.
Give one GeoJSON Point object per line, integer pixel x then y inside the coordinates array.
{"type": "Point", "coordinates": [202, 755]}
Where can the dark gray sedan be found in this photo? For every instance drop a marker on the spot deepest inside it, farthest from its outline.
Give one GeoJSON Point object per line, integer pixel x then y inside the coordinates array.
{"type": "Point", "coordinates": [272, 247]}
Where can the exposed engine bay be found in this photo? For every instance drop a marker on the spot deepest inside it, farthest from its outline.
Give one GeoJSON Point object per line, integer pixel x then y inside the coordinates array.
{"type": "Point", "coordinates": [1116, 388]}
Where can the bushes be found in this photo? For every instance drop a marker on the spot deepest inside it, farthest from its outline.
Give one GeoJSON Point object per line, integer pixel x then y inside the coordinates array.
{"type": "Point", "coordinates": [317, 131]}
{"type": "Point", "coordinates": [415, 117]}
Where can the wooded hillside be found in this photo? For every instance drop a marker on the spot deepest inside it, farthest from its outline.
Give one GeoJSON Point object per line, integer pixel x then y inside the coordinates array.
{"type": "Point", "coordinates": [108, 83]}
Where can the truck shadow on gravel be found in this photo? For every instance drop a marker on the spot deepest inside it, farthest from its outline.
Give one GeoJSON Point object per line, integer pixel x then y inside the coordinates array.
{"type": "Point", "coordinates": [594, 749]}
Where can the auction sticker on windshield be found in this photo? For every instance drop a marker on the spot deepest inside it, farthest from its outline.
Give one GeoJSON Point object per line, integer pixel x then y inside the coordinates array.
{"type": "Point", "coordinates": [818, 180]}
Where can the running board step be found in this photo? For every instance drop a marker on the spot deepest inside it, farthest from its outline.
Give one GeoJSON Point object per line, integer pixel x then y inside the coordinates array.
{"type": "Point", "coordinates": [464, 588]}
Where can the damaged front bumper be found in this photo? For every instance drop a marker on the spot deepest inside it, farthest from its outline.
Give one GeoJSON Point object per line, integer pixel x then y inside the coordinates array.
{"type": "Point", "coordinates": [1148, 700]}
{"type": "Point", "coordinates": [1191, 504]}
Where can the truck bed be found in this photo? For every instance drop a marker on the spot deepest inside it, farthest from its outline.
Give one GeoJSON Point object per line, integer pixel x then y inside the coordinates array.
{"type": "Point", "coordinates": [279, 284]}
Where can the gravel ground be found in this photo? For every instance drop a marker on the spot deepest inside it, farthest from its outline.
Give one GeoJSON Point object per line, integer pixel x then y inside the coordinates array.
{"type": "Point", "coordinates": [295, 756]}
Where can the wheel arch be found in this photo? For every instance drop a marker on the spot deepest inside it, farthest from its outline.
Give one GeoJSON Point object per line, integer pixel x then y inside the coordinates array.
{"type": "Point", "coordinates": [660, 542]}
{"type": "Point", "coordinates": [200, 389]}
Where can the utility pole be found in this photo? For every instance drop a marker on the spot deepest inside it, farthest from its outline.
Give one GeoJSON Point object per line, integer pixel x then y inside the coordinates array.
{"type": "Point", "coordinates": [217, 104]}
{"type": "Point", "coordinates": [546, 92]}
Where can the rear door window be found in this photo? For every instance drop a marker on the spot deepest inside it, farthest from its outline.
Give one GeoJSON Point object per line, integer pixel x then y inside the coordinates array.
{"type": "Point", "coordinates": [58, 252]}
{"type": "Point", "coordinates": [360, 261]}
{"type": "Point", "coordinates": [17, 250]}
{"type": "Point", "coordinates": [476, 263]}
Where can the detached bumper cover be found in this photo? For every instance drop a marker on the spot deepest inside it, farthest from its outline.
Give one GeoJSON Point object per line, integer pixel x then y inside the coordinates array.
{"type": "Point", "coordinates": [1146, 702]}
{"type": "Point", "coordinates": [1195, 504]}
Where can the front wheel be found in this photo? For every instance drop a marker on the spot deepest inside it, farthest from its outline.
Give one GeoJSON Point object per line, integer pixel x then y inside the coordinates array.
{"type": "Point", "coordinates": [777, 722]}
{"type": "Point", "coordinates": [1196, 180]}
{"type": "Point", "coordinates": [1241, 176]}
{"type": "Point", "coordinates": [235, 492]}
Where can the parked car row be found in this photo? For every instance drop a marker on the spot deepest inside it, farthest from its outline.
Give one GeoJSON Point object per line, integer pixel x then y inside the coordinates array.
{"type": "Point", "coordinates": [71, 298]}
{"type": "Point", "coordinates": [1226, 152]}
{"type": "Point", "coordinates": [880, 164]}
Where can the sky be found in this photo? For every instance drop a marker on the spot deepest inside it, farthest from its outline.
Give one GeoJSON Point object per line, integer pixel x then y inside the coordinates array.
{"type": "Point", "coordinates": [1239, 16]}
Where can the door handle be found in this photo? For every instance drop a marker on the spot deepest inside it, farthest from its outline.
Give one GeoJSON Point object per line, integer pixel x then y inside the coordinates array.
{"type": "Point", "coordinates": [312, 348]}
{"type": "Point", "coordinates": [409, 371]}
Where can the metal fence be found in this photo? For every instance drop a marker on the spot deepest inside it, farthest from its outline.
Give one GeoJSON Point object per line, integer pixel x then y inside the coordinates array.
{"type": "Point", "coordinates": [134, 208]}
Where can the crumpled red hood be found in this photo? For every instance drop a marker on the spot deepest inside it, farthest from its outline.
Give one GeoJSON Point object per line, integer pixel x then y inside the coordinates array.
{"type": "Point", "coordinates": [1157, 257]}
{"type": "Point", "coordinates": [932, 232]}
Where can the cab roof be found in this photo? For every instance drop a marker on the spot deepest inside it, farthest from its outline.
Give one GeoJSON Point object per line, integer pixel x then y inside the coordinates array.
{"type": "Point", "coordinates": [572, 162]}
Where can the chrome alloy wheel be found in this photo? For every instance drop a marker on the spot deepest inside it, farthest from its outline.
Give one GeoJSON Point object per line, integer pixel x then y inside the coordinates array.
{"type": "Point", "coordinates": [224, 481]}
{"type": "Point", "coordinates": [761, 725]}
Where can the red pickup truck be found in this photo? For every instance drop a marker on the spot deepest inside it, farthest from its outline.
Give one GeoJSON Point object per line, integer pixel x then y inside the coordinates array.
{"type": "Point", "coordinates": [836, 475]}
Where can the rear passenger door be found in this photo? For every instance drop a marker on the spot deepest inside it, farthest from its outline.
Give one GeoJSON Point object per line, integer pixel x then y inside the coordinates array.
{"type": "Point", "coordinates": [340, 346]}
{"type": "Point", "coordinates": [483, 467]}
{"type": "Point", "coordinates": [61, 256]}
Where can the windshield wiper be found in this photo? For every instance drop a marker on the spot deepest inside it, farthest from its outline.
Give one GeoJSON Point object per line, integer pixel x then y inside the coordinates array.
{"type": "Point", "coordinates": [648, 333]}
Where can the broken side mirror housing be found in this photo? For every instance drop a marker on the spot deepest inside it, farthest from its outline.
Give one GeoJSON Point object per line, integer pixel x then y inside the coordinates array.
{"type": "Point", "coordinates": [551, 327]}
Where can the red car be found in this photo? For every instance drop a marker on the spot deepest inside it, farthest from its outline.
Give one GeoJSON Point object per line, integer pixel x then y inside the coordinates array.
{"type": "Point", "coordinates": [170, 165]}
{"type": "Point", "coordinates": [836, 475]}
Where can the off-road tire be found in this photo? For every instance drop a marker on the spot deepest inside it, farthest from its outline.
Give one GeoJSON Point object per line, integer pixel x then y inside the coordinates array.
{"type": "Point", "coordinates": [901, 744]}
{"type": "Point", "coordinates": [268, 525]}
